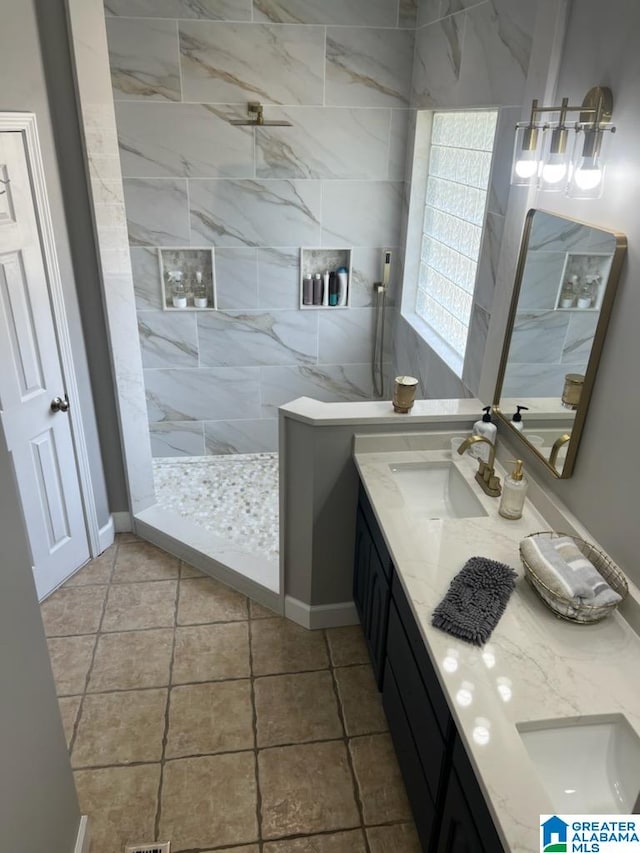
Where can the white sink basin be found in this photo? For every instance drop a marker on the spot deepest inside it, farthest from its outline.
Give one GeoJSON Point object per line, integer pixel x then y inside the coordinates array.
{"type": "Point", "coordinates": [436, 489]}
{"type": "Point", "coordinates": [589, 765]}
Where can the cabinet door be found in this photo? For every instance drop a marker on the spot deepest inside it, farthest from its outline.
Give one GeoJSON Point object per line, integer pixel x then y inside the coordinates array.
{"type": "Point", "coordinates": [361, 566]}
{"type": "Point", "coordinates": [377, 615]}
{"type": "Point", "coordinates": [417, 791]}
{"type": "Point", "coordinates": [458, 832]}
{"type": "Point", "coordinates": [426, 733]}
{"type": "Point", "coordinates": [371, 594]}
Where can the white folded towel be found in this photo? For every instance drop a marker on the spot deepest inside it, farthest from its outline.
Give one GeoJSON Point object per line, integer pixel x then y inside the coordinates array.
{"type": "Point", "coordinates": [560, 564]}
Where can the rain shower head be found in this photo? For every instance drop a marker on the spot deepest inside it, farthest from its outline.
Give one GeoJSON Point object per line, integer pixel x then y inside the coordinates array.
{"type": "Point", "coordinates": [256, 109]}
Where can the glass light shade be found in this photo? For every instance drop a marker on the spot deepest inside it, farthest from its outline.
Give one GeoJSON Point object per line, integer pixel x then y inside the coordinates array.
{"type": "Point", "coordinates": [556, 157]}
{"type": "Point", "coordinates": [526, 157]}
{"type": "Point", "coordinates": [588, 163]}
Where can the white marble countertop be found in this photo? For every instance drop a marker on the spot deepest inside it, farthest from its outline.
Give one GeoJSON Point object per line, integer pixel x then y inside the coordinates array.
{"type": "Point", "coordinates": [534, 667]}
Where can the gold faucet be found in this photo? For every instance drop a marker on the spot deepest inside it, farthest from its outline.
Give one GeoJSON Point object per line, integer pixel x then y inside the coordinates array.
{"type": "Point", "coordinates": [553, 456]}
{"type": "Point", "coordinates": [485, 475]}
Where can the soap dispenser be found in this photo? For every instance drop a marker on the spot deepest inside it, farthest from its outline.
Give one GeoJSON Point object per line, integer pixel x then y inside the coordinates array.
{"type": "Point", "coordinates": [486, 429]}
{"type": "Point", "coordinates": [516, 420]}
{"type": "Point", "coordinates": [514, 491]}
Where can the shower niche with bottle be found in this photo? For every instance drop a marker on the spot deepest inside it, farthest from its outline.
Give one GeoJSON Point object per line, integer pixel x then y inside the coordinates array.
{"type": "Point", "coordinates": [325, 278]}
{"type": "Point", "coordinates": [582, 281]}
{"type": "Point", "coordinates": [188, 279]}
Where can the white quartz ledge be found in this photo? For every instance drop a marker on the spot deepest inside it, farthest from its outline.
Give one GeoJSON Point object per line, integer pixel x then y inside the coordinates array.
{"type": "Point", "coordinates": [535, 667]}
{"type": "Point", "coordinates": [380, 411]}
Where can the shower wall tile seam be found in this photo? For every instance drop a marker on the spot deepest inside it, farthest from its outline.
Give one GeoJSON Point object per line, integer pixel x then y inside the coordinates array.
{"type": "Point", "coordinates": [147, 18]}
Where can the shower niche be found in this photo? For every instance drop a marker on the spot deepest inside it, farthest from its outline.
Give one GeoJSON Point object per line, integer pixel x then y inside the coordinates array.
{"type": "Point", "coordinates": [321, 261]}
{"type": "Point", "coordinates": [188, 279]}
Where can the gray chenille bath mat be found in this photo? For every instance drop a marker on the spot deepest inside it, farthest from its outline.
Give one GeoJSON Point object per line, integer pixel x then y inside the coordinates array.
{"type": "Point", "coordinates": [476, 600]}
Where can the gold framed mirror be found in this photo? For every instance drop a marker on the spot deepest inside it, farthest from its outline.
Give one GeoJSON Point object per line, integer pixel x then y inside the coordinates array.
{"type": "Point", "coordinates": [566, 279]}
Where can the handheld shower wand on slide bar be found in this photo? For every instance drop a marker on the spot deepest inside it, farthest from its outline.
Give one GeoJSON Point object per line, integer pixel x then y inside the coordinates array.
{"type": "Point", "coordinates": [377, 357]}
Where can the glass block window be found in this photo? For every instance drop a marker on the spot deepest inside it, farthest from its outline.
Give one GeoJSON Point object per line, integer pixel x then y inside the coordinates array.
{"type": "Point", "coordinates": [458, 177]}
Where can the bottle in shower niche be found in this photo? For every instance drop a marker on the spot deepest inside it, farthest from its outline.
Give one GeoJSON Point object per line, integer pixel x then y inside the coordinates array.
{"type": "Point", "coordinates": [325, 288]}
{"type": "Point", "coordinates": [307, 290]}
{"type": "Point", "coordinates": [343, 285]}
{"type": "Point", "coordinates": [178, 290]}
{"type": "Point", "coordinates": [333, 288]}
{"type": "Point", "coordinates": [200, 298]}
{"type": "Point", "coordinates": [585, 294]}
{"type": "Point", "coordinates": [566, 295]}
{"type": "Point", "coordinates": [317, 289]}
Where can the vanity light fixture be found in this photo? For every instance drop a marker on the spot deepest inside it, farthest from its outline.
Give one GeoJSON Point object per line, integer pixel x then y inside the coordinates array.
{"type": "Point", "coordinates": [561, 156]}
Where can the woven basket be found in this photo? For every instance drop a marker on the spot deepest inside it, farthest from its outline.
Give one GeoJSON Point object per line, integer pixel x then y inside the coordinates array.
{"type": "Point", "coordinates": [564, 607]}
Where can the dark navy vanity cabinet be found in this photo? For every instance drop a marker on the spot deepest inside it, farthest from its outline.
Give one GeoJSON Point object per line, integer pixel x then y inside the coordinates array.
{"type": "Point", "coordinates": [372, 584]}
{"type": "Point", "coordinates": [448, 806]}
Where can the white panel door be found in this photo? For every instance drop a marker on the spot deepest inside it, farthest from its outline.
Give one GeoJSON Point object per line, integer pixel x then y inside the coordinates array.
{"type": "Point", "coordinates": [38, 438]}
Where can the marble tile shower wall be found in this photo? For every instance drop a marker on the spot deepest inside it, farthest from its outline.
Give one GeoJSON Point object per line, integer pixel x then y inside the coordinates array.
{"type": "Point", "coordinates": [340, 72]}
{"type": "Point", "coordinates": [470, 54]}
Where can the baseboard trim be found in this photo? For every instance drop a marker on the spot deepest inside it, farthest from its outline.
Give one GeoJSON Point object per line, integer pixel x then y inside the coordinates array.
{"type": "Point", "coordinates": [317, 616]}
{"type": "Point", "coordinates": [106, 535]}
{"type": "Point", "coordinates": [122, 522]}
{"type": "Point", "coordinates": [82, 838]}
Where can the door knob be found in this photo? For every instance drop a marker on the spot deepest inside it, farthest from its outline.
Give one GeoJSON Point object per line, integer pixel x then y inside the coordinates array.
{"type": "Point", "coordinates": [58, 404]}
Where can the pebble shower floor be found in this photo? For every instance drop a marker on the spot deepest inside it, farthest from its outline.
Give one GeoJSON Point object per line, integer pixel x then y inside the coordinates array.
{"type": "Point", "coordinates": [234, 497]}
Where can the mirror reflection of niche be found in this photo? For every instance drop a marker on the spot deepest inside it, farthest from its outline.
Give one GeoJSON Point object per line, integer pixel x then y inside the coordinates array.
{"type": "Point", "coordinates": [565, 286]}
{"type": "Point", "coordinates": [549, 341]}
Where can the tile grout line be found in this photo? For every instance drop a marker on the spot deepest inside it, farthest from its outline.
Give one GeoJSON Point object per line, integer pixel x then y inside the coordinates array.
{"type": "Point", "coordinates": [254, 722]}
{"type": "Point", "coordinates": [76, 725]}
{"type": "Point", "coordinates": [165, 734]}
{"type": "Point", "coordinates": [346, 741]}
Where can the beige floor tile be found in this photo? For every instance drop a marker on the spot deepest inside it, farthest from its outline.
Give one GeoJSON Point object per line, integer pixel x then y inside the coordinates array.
{"type": "Point", "coordinates": [121, 803]}
{"type": "Point", "coordinates": [211, 652]}
{"type": "Point", "coordinates": [69, 706]}
{"type": "Point", "coordinates": [246, 848]}
{"type": "Point", "coordinates": [347, 645]}
{"type": "Point", "coordinates": [398, 838]}
{"type": "Point", "coordinates": [306, 789]}
{"type": "Point", "coordinates": [141, 561]}
{"type": "Point", "coordinates": [73, 611]}
{"type": "Point", "coordinates": [338, 842]}
{"type": "Point", "coordinates": [360, 700]}
{"type": "Point", "coordinates": [127, 537]}
{"type": "Point", "coordinates": [132, 606]}
{"type": "Point", "coordinates": [209, 718]}
{"type": "Point", "coordinates": [257, 611]}
{"type": "Point", "coordinates": [120, 728]}
{"type": "Point", "coordinates": [296, 708]}
{"type": "Point", "coordinates": [209, 801]}
{"type": "Point", "coordinates": [70, 662]}
{"type": "Point", "coordinates": [132, 660]}
{"type": "Point", "coordinates": [97, 570]}
{"type": "Point", "coordinates": [278, 645]}
{"type": "Point", "coordinates": [381, 787]}
{"type": "Point", "coordinates": [203, 600]}
{"type": "Point", "coordinates": [187, 571]}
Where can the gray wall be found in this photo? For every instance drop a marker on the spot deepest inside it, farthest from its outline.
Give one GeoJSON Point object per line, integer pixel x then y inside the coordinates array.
{"type": "Point", "coordinates": [465, 58]}
{"type": "Point", "coordinates": [341, 73]}
{"type": "Point", "coordinates": [97, 385]}
{"type": "Point", "coordinates": [600, 49]}
{"type": "Point", "coordinates": [38, 804]}
{"type": "Point", "coordinates": [24, 71]}
{"type": "Point", "coordinates": [320, 494]}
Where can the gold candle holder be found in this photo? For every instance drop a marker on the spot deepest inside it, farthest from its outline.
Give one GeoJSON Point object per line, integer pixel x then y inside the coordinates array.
{"type": "Point", "coordinates": [404, 392]}
{"type": "Point", "coordinates": [572, 390]}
